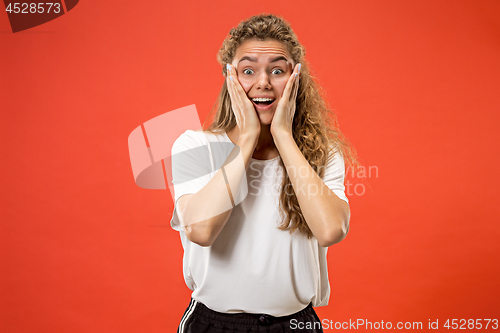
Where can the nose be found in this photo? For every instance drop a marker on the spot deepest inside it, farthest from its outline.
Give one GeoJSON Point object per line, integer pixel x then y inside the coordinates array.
{"type": "Point", "coordinates": [263, 81]}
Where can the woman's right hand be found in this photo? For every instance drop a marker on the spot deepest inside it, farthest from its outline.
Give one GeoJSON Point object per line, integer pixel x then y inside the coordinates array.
{"type": "Point", "coordinates": [243, 109]}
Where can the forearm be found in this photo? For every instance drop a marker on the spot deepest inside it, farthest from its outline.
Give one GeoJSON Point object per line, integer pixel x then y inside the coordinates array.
{"type": "Point", "coordinates": [325, 213]}
{"type": "Point", "coordinates": [207, 211]}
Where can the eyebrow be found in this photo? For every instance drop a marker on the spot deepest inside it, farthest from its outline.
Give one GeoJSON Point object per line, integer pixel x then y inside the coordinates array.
{"type": "Point", "coordinates": [252, 59]}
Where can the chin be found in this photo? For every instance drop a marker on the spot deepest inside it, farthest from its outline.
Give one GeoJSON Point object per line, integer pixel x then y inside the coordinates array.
{"type": "Point", "coordinates": [267, 118]}
{"type": "Point", "coordinates": [266, 121]}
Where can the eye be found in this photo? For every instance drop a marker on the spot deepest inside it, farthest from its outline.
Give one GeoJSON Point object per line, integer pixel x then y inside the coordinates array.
{"type": "Point", "coordinates": [277, 71]}
{"type": "Point", "coordinates": [247, 71]}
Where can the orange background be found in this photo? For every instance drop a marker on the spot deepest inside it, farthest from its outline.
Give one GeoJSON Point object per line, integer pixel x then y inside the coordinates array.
{"type": "Point", "coordinates": [414, 84]}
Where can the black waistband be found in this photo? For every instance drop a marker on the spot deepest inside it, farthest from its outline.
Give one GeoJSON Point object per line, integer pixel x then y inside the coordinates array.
{"type": "Point", "coordinates": [249, 318]}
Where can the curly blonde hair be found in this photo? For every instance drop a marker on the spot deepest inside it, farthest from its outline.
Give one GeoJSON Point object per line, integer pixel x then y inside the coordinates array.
{"type": "Point", "coordinates": [315, 127]}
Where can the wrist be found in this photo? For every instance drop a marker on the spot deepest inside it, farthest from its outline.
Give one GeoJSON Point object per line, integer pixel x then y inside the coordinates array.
{"type": "Point", "coordinates": [282, 136]}
{"type": "Point", "coordinates": [248, 140]}
{"type": "Point", "coordinates": [283, 140]}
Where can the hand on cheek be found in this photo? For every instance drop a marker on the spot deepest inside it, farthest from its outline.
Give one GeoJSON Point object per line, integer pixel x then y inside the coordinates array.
{"type": "Point", "coordinates": [285, 111]}
{"type": "Point", "coordinates": [242, 107]}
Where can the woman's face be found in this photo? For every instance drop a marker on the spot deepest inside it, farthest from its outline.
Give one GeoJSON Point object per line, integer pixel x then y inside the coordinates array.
{"type": "Point", "coordinates": [263, 69]}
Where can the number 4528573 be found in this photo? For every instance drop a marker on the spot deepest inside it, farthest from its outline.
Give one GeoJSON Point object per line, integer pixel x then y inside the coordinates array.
{"type": "Point", "coordinates": [463, 324]}
{"type": "Point", "coordinates": [32, 8]}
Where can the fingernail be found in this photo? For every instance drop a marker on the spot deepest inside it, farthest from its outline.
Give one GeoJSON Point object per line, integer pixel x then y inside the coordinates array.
{"type": "Point", "coordinates": [300, 65]}
{"type": "Point", "coordinates": [228, 67]}
{"type": "Point", "coordinates": [231, 78]}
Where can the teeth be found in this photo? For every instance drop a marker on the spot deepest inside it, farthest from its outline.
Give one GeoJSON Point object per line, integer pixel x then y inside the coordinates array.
{"type": "Point", "coordinates": [262, 99]}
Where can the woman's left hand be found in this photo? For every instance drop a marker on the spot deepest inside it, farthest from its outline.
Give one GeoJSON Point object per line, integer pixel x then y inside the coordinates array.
{"type": "Point", "coordinates": [285, 111]}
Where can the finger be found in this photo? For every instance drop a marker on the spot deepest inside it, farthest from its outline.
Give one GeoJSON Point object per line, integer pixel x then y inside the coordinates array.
{"type": "Point", "coordinates": [230, 83]}
{"type": "Point", "coordinates": [229, 88]}
{"type": "Point", "coordinates": [234, 106]}
{"type": "Point", "coordinates": [235, 98]}
{"type": "Point", "coordinates": [289, 85]}
{"type": "Point", "coordinates": [297, 83]}
{"type": "Point", "coordinates": [293, 101]}
{"type": "Point", "coordinates": [294, 88]}
{"type": "Point", "coordinates": [238, 88]}
{"type": "Point", "coordinates": [236, 95]}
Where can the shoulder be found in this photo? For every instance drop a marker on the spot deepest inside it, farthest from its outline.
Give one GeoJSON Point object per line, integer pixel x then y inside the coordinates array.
{"type": "Point", "coordinates": [192, 139]}
{"type": "Point", "coordinates": [189, 139]}
{"type": "Point", "coordinates": [334, 153]}
{"type": "Point", "coordinates": [335, 162]}
{"type": "Point", "coordinates": [201, 135]}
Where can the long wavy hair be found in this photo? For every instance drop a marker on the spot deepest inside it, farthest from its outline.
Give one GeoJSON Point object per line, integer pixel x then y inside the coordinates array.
{"type": "Point", "coordinates": [315, 127]}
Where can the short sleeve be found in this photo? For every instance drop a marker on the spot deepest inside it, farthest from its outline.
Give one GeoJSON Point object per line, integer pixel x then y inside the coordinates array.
{"type": "Point", "coordinates": [191, 168]}
{"type": "Point", "coordinates": [335, 174]}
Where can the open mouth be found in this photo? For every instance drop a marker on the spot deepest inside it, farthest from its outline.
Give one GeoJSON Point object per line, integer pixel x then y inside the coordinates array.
{"type": "Point", "coordinates": [263, 103]}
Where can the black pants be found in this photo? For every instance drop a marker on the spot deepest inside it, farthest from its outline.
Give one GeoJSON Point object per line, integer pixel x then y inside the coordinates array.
{"type": "Point", "coordinates": [199, 319]}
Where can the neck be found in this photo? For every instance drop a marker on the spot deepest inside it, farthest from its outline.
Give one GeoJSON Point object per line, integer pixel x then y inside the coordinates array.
{"type": "Point", "coordinates": [265, 142]}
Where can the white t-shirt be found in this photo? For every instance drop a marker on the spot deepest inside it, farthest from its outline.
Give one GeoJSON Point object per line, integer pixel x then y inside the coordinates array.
{"type": "Point", "coordinates": [252, 266]}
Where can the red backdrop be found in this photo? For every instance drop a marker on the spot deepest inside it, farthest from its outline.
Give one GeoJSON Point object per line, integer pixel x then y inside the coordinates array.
{"type": "Point", "coordinates": [414, 84]}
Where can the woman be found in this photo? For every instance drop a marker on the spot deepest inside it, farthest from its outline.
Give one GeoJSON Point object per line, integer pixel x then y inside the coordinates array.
{"type": "Point", "coordinates": [259, 194]}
